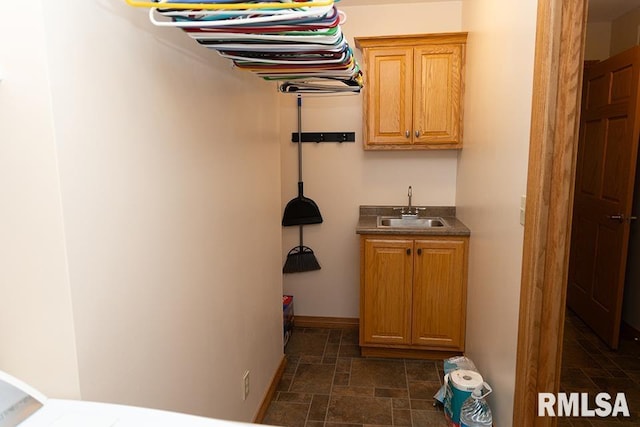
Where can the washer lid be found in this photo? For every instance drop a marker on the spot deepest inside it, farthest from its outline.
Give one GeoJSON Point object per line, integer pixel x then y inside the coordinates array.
{"type": "Point", "coordinates": [465, 380]}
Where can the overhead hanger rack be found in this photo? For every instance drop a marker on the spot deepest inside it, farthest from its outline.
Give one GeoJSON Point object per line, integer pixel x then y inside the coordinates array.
{"type": "Point", "coordinates": [298, 43]}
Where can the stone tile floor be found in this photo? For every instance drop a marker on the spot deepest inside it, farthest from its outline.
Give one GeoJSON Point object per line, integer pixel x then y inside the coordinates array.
{"type": "Point", "coordinates": [589, 366]}
{"type": "Point", "coordinates": [328, 384]}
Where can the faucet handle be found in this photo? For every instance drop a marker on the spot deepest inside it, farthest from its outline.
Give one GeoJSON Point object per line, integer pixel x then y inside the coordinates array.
{"type": "Point", "coordinates": [410, 192]}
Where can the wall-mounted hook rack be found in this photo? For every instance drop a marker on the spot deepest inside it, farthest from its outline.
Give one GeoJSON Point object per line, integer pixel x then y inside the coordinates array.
{"type": "Point", "coordinates": [325, 137]}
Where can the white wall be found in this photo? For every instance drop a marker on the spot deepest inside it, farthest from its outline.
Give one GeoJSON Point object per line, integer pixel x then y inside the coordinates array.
{"type": "Point", "coordinates": [598, 41]}
{"type": "Point", "coordinates": [625, 31]}
{"type": "Point", "coordinates": [492, 174]}
{"type": "Point", "coordinates": [341, 177]}
{"type": "Point", "coordinates": [36, 323]}
{"type": "Point", "coordinates": [169, 174]}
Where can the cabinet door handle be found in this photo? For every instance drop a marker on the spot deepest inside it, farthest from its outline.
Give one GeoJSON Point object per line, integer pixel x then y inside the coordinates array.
{"type": "Point", "coordinates": [417, 134]}
{"type": "Point", "coordinates": [408, 251]}
{"type": "Point", "coordinates": [420, 251]}
{"type": "Point", "coordinates": [407, 134]}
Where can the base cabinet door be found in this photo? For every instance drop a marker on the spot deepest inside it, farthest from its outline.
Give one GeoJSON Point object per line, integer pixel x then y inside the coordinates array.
{"type": "Point", "coordinates": [386, 291]}
{"type": "Point", "coordinates": [439, 293]}
{"type": "Point", "coordinates": [413, 294]}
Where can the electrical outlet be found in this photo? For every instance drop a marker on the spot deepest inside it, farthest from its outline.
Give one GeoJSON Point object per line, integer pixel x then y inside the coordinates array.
{"type": "Point", "coordinates": [245, 385]}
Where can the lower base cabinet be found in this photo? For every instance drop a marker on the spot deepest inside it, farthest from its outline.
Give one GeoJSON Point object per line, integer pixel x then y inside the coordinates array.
{"type": "Point", "coordinates": [413, 295]}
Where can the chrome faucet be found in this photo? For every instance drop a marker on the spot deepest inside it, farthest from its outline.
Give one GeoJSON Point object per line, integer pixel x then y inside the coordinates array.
{"type": "Point", "coordinates": [409, 211]}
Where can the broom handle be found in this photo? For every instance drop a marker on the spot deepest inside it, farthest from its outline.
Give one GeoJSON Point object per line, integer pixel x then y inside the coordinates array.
{"type": "Point", "coordinates": [301, 245]}
{"type": "Point", "coordinates": [299, 139]}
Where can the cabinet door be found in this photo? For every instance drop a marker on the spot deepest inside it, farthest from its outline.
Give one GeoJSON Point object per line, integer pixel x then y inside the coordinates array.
{"type": "Point", "coordinates": [439, 293]}
{"type": "Point", "coordinates": [388, 102]}
{"type": "Point", "coordinates": [437, 99]}
{"type": "Point", "coordinates": [386, 291]}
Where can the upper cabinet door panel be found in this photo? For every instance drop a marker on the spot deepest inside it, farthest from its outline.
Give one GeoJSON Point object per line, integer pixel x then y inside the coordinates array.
{"type": "Point", "coordinates": [390, 81]}
{"type": "Point", "coordinates": [437, 96]}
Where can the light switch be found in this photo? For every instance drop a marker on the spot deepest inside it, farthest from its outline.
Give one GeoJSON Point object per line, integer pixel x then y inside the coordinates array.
{"type": "Point", "coordinates": [523, 207]}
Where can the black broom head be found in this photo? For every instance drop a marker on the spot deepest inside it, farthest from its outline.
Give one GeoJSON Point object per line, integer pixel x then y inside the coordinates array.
{"type": "Point", "coordinates": [300, 259]}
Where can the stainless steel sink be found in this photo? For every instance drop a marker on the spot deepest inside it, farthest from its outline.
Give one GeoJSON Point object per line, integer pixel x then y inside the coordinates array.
{"type": "Point", "coordinates": [430, 222]}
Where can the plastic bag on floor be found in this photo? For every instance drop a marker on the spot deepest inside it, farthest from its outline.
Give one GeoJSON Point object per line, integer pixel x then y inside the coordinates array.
{"type": "Point", "coordinates": [451, 364]}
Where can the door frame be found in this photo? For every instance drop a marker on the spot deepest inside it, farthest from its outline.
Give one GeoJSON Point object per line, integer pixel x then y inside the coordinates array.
{"type": "Point", "coordinates": [555, 120]}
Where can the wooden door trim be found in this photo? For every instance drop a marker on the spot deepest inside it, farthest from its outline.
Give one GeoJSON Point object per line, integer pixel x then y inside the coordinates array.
{"type": "Point", "coordinates": [555, 119]}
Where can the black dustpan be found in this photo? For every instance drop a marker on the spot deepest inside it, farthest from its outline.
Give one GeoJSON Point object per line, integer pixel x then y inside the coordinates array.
{"type": "Point", "coordinates": [301, 210]}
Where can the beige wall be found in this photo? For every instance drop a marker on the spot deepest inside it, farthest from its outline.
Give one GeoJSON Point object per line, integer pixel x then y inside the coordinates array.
{"type": "Point", "coordinates": [167, 182]}
{"type": "Point", "coordinates": [340, 177]}
{"type": "Point", "coordinates": [36, 323]}
{"type": "Point", "coordinates": [492, 173]}
{"type": "Point", "coordinates": [625, 31]}
{"type": "Point", "coordinates": [598, 42]}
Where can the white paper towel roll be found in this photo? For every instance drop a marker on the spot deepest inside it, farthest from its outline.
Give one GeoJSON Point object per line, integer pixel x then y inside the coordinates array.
{"type": "Point", "coordinates": [465, 380]}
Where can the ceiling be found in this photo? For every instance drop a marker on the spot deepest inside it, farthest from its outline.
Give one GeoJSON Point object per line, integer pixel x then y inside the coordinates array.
{"type": "Point", "coordinates": [608, 10]}
{"type": "Point", "coordinates": [380, 2]}
{"type": "Point", "coordinates": [599, 10]}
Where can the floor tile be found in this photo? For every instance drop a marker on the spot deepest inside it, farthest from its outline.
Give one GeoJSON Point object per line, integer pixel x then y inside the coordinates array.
{"type": "Point", "coordinates": [423, 389]}
{"type": "Point", "coordinates": [401, 403]}
{"type": "Point", "coordinates": [378, 373]}
{"type": "Point", "coordinates": [354, 391]}
{"type": "Point", "coordinates": [286, 414]}
{"type": "Point", "coordinates": [349, 350]}
{"type": "Point", "coordinates": [308, 344]}
{"type": "Point", "coordinates": [418, 370]}
{"type": "Point", "coordinates": [318, 409]}
{"type": "Point", "coordinates": [294, 397]}
{"type": "Point", "coordinates": [612, 372]}
{"type": "Point", "coordinates": [350, 336]}
{"type": "Point", "coordinates": [335, 336]}
{"type": "Point", "coordinates": [634, 375]}
{"type": "Point", "coordinates": [392, 392]}
{"type": "Point", "coordinates": [575, 356]}
{"type": "Point", "coordinates": [575, 378]}
{"type": "Point", "coordinates": [402, 417]}
{"type": "Point", "coordinates": [360, 410]}
{"type": "Point", "coordinates": [428, 418]}
{"type": "Point", "coordinates": [627, 363]}
{"type": "Point", "coordinates": [313, 379]}
{"type": "Point", "coordinates": [341, 378]}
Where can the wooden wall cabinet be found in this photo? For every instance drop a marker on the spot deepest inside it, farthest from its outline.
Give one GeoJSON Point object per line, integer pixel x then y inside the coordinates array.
{"type": "Point", "coordinates": [414, 87]}
{"type": "Point", "coordinates": [413, 295]}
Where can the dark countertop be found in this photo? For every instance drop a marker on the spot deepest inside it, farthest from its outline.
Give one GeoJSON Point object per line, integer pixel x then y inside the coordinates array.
{"type": "Point", "coordinates": [368, 222]}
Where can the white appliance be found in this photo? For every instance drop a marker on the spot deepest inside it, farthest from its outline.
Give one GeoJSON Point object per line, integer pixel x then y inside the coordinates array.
{"type": "Point", "coordinates": [22, 405]}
